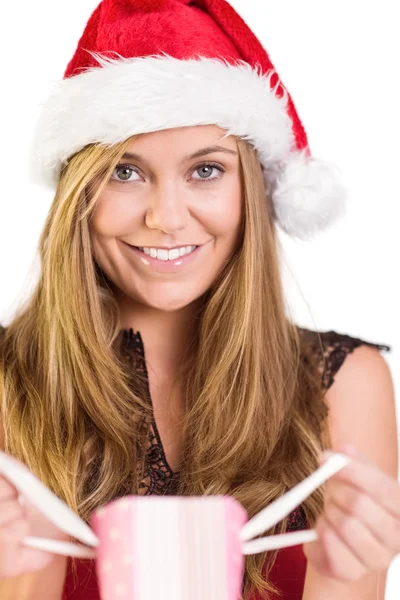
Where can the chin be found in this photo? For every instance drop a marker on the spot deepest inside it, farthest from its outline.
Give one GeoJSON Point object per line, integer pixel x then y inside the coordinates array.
{"type": "Point", "coordinates": [167, 306]}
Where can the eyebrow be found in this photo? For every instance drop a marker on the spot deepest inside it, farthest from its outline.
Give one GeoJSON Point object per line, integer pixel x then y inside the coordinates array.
{"type": "Point", "coordinates": [201, 152]}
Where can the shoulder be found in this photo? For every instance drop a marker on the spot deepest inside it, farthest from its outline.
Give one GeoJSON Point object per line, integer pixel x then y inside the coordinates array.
{"type": "Point", "coordinates": [336, 352]}
{"type": "Point", "coordinates": [360, 398]}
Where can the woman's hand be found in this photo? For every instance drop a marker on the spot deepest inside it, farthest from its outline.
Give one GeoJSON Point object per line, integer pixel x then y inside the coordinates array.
{"type": "Point", "coordinates": [17, 522]}
{"type": "Point", "coordinates": [359, 529]}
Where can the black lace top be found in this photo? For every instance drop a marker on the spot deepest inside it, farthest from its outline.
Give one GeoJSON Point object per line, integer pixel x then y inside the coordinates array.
{"type": "Point", "coordinates": [330, 348]}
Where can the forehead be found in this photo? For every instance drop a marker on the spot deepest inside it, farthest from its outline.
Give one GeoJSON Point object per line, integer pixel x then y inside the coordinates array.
{"type": "Point", "coordinates": [183, 140]}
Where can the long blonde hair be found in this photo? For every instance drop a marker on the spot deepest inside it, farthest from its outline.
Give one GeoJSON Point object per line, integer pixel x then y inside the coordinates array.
{"type": "Point", "coordinates": [74, 414]}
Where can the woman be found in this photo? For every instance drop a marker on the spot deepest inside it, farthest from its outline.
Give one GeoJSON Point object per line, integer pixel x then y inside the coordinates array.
{"type": "Point", "coordinates": [134, 371]}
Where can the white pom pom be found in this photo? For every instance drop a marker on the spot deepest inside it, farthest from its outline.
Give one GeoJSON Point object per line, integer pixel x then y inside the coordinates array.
{"type": "Point", "coordinates": [307, 194]}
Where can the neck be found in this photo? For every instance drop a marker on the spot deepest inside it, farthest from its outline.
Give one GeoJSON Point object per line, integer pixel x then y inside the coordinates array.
{"type": "Point", "coordinates": [166, 334]}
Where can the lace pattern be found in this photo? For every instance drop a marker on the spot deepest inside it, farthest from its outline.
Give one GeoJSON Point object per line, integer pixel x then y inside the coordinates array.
{"type": "Point", "coordinates": [158, 478]}
{"type": "Point", "coordinates": [331, 349]}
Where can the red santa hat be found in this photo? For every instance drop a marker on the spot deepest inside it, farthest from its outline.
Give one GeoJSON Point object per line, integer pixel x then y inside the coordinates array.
{"type": "Point", "coordinates": [148, 65]}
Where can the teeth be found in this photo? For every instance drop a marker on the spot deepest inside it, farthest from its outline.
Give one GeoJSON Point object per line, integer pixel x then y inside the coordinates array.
{"type": "Point", "coordinates": [168, 254]}
{"type": "Point", "coordinates": [162, 254]}
{"type": "Point", "coordinates": [173, 254]}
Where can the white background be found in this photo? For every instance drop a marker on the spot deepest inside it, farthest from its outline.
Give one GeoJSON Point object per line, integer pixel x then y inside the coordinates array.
{"type": "Point", "coordinates": [339, 61]}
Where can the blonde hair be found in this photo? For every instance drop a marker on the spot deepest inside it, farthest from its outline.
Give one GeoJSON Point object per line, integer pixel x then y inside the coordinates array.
{"type": "Point", "coordinates": [76, 415]}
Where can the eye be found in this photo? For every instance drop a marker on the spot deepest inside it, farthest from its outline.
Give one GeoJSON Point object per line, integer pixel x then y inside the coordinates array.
{"type": "Point", "coordinates": [124, 172]}
{"type": "Point", "coordinates": [206, 170]}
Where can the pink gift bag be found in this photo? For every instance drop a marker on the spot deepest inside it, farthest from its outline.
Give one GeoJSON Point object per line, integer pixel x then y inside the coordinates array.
{"type": "Point", "coordinates": [168, 547]}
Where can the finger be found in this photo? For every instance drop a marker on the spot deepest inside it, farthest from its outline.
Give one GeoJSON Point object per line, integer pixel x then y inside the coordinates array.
{"type": "Point", "coordinates": [351, 452]}
{"type": "Point", "coordinates": [382, 525]}
{"type": "Point", "coordinates": [10, 511]}
{"type": "Point", "coordinates": [332, 557]}
{"type": "Point", "coordinates": [364, 475]}
{"type": "Point", "coordinates": [354, 452]}
{"type": "Point", "coordinates": [369, 551]}
{"type": "Point", "coordinates": [7, 489]}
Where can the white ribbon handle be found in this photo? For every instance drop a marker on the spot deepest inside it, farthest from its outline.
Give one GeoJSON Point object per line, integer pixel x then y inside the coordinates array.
{"type": "Point", "coordinates": [66, 520]}
{"type": "Point", "coordinates": [283, 540]}
{"type": "Point", "coordinates": [281, 507]}
{"type": "Point", "coordinates": [59, 547]}
{"type": "Point", "coordinates": [51, 506]}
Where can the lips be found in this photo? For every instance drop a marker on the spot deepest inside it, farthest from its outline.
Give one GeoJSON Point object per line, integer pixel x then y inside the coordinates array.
{"type": "Point", "coordinates": [162, 248]}
{"type": "Point", "coordinates": [165, 266]}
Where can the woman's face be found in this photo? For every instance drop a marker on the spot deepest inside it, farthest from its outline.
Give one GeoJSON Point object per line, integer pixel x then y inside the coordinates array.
{"type": "Point", "coordinates": [179, 187]}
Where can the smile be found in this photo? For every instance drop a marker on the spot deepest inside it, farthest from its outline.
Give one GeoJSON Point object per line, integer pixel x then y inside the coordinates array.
{"type": "Point", "coordinates": [161, 260]}
{"type": "Point", "coordinates": [163, 254]}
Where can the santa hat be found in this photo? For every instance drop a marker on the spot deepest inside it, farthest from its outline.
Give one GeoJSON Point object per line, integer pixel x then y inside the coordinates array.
{"type": "Point", "coordinates": [148, 65]}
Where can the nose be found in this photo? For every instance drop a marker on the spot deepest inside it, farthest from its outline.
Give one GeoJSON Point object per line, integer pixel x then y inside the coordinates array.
{"type": "Point", "coordinates": [167, 209]}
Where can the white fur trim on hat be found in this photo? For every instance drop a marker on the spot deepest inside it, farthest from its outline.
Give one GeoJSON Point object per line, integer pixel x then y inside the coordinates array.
{"type": "Point", "coordinates": [127, 96]}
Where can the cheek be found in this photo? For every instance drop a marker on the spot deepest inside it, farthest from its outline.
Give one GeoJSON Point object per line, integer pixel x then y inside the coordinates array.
{"type": "Point", "coordinates": [114, 216]}
{"type": "Point", "coordinates": [226, 213]}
